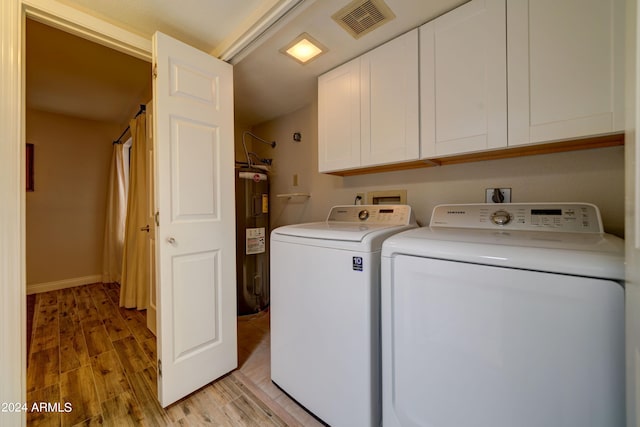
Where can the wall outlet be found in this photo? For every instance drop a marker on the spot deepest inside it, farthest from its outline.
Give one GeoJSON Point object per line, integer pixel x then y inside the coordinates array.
{"type": "Point", "coordinates": [493, 195]}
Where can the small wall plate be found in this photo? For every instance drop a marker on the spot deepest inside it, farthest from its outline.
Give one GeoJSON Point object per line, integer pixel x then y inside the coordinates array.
{"type": "Point", "coordinates": [505, 192]}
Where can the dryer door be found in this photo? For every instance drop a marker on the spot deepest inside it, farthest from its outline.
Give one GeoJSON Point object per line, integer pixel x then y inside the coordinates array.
{"type": "Point", "coordinates": [466, 344]}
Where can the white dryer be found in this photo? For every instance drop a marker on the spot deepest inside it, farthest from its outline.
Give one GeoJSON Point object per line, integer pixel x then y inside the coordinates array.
{"type": "Point", "coordinates": [325, 305]}
{"type": "Point", "coordinates": [502, 316]}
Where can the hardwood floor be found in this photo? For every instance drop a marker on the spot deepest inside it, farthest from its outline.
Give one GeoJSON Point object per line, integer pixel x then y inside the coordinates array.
{"type": "Point", "coordinates": [31, 306]}
{"type": "Point", "coordinates": [99, 358]}
{"type": "Point", "coordinates": [254, 370]}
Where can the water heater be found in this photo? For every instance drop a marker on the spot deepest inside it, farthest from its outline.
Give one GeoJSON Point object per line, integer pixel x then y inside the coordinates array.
{"type": "Point", "coordinates": [252, 236]}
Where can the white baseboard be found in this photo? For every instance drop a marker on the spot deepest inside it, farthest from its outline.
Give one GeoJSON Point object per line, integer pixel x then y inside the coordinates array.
{"type": "Point", "coordinates": [36, 288]}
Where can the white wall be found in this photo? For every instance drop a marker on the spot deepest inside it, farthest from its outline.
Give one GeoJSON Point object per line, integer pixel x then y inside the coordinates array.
{"type": "Point", "coordinates": [595, 176]}
{"type": "Point", "coordinates": [65, 214]}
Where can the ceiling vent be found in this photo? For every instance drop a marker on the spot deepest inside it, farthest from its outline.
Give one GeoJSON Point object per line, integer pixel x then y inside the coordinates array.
{"type": "Point", "coordinates": [363, 16]}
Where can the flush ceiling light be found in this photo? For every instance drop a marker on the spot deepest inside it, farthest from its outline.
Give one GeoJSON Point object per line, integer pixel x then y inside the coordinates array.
{"type": "Point", "coordinates": [304, 48]}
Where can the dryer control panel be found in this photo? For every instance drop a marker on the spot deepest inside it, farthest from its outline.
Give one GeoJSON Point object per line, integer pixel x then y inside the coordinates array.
{"type": "Point", "coordinates": [564, 217]}
{"type": "Point", "coordinates": [372, 214]}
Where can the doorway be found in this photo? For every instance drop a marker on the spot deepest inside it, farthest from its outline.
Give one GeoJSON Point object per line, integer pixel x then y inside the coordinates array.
{"type": "Point", "coordinates": [79, 97]}
{"type": "Point", "coordinates": [13, 129]}
{"type": "Point", "coordinates": [192, 210]}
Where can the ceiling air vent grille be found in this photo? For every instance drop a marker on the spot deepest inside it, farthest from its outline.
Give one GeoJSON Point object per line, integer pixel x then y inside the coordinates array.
{"type": "Point", "coordinates": [363, 16]}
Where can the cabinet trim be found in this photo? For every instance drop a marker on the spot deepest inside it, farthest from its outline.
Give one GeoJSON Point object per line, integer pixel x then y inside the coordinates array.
{"type": "Point", "coordinates": [602, 141]}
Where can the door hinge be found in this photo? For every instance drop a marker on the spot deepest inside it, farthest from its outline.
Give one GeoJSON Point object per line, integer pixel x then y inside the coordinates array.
{"type": "Point", "coordinates": [159, 367]}
{"type": "Point", "coordinates": [155, 70]}
{"type": "Point", "coordinates": [157, 217]}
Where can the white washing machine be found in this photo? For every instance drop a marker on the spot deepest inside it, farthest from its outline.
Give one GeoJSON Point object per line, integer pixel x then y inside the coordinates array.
{"type": "Point", "coordinates": [502, 316]}
{"type": "Point", "coordinates": [325, 311]}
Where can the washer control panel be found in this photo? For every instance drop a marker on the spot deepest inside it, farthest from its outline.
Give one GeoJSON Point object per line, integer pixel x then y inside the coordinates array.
{"type": "Point", "coordinates": [378, 214]}
{"type": "Point", "coordinates": [565, 217]}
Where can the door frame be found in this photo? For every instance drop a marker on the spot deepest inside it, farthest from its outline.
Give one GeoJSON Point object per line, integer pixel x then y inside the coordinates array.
{"type": "Point", "coordinates": [12, 168]}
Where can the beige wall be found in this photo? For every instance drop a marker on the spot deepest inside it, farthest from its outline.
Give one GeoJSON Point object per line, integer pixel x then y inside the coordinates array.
{"type": "Point", "coordinates": [595, 176]}
{"type": "Point", "coordinates": [66, 212]}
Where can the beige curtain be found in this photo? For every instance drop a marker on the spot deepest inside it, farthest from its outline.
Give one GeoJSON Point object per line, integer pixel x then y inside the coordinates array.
{"type": "Point", "coordinates": [134, 289]}
{"type": "Point", "coordinates": [115, 218]}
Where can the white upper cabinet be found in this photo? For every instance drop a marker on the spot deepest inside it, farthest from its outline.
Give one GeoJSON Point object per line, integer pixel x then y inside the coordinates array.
{"type": "Point", "coordinates": [368, 108]}
{"type": "Point", "coordinates": [339, 118]}
{"type": "Point", "coordinates": [390, 102]}
{"type": "Point", "coordinates": [463, 91]}
{"type": "Point", "coordinates": [565, 62]}
{"type": "Point", "coordinates": [488, 75]}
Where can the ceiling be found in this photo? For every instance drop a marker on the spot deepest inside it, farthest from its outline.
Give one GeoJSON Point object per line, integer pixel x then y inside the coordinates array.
{"type": "Point", "coordinates": [69, 75]}
{"type": "Point", "coordinates": [62, 69]}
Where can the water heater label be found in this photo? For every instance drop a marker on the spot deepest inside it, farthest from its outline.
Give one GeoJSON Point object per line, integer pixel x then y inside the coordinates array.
{"type": "Point", "coordinates": [357, 263]}
{"type": "Point", "coordinates": [256, 243]}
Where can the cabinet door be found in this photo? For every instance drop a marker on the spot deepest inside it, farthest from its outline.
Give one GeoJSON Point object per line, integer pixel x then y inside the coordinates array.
{"type": "Point", "coordinates": [566, 64]}
{"type": "Point", "coordinates": [390, 102]}
{"type": "Point", "coordinates": [339, 118]}
{"type": "Point", "coordinates": [463, 80]}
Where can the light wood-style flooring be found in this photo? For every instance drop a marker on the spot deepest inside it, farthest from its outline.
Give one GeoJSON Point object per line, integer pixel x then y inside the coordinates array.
{"type": "Point", "coordinates": [99, 357]}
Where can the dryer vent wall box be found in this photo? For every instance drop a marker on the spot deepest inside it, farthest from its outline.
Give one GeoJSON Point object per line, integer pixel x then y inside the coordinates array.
{"type": "Point", "coordinates": [325, 338]}
{"type": "Point", "coordinates": [388, 197]}
{"type": "Point", "coordinates": [522, 314]}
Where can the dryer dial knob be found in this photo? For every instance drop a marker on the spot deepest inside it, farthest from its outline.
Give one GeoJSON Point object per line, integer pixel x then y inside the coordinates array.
{"type": "Point", "coordinates": [501, 217]}
{"type": "Point", "coordinates": [363, 214]}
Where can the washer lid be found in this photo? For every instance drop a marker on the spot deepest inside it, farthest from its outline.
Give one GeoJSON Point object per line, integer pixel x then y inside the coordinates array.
{"type": "Point", "coordinates": [332, 230]}
{"type": "Point", "coordinates": [582, 254]}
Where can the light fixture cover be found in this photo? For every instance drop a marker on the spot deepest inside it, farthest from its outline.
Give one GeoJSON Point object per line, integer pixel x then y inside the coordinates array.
{"type": "Point", "coordinates": [304, 48]}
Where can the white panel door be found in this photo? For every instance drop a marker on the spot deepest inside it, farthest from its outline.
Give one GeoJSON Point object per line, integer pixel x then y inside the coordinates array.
{"type": "Point", "coordinates": [339, 118]}
{"type": "Point", "coordinates": [463, 81]}
{"type": "Point", "coordinates": [389, 102]}
{"type": "Point", "coordinates": [566, 69]}
{"type": "Point", "coordinates": [193, 105]}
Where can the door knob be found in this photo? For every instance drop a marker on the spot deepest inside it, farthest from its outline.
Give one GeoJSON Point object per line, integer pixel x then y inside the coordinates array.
{"type": "Point", "coordinates": [171, 240]}
{"type": "Point", "coordinates": [145, 228]}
